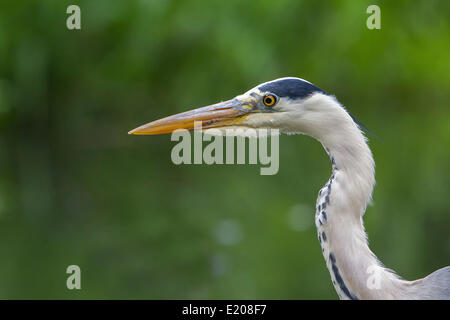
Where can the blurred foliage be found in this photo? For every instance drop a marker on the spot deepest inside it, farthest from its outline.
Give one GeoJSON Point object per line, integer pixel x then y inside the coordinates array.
{"type": "Point", "coordinates": [76, 189]}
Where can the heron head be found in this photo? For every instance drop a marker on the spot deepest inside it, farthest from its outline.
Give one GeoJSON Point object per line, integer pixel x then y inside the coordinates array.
{"type": "Point", "coordinates": [286, 104]}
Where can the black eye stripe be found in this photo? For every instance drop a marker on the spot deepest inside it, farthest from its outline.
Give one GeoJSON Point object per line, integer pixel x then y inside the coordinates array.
{"type": "Point", "coordinates": [291, 88]}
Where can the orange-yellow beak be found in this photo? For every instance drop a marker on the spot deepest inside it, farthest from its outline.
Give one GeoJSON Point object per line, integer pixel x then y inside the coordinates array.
{"type": "Point", "coordinates": [217, 115]}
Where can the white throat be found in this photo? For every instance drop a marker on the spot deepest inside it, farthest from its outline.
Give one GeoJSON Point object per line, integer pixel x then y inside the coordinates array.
{"type": "Point", "coordinates": [355, 271]}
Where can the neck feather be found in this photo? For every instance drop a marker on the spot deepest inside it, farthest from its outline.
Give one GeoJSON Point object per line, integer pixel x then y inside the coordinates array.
{"type": "Point", "coordinates": [355, 271]}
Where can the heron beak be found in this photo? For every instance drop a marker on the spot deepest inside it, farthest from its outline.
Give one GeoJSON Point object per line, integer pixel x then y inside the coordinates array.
{"type": "Point", "coordinates": [214, 116]}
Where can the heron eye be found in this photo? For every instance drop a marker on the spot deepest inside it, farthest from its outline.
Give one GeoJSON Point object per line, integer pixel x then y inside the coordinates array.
{"type": "Point", "coordinates": [269, 100]}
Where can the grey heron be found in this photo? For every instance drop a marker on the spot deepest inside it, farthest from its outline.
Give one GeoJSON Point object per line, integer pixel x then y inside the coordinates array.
{"type": "Point", "coordinates": [296, 106]}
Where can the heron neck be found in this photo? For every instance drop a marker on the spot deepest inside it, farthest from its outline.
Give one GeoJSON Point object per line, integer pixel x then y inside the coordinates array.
{"type": "Point", "coordinates": [355, 271]}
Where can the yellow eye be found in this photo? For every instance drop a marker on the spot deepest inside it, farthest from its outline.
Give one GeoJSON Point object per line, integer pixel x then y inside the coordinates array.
{"type": "Point", "coordinates": [269, 100]}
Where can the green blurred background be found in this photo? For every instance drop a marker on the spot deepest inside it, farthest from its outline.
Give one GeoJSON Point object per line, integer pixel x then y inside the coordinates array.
{"type": "Point", "coordinates": [76, 189]}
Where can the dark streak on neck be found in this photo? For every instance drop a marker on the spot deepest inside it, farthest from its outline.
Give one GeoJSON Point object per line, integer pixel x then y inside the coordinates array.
{"type": "Point", "coordinates": [339, 279]}
{"type": "Point", "coordinates": [332, 258]}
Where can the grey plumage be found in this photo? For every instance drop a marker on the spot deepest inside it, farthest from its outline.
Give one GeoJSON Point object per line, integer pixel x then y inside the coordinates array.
{"type": "Point", "coordinates": [435, 286]}
{"type": "Point", "coordinates": [297, 106]}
